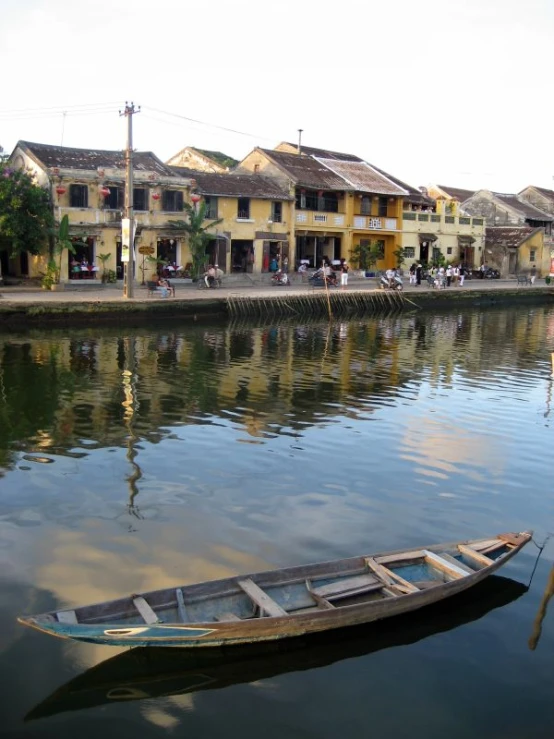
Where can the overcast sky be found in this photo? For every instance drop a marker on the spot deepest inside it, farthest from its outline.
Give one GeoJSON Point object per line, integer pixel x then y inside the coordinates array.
{"type": "Point", "coordinates": [459, 93]}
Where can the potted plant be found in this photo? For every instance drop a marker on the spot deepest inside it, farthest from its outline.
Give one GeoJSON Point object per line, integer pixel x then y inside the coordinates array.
{"type": "Point", "coordinates": [104, 258]}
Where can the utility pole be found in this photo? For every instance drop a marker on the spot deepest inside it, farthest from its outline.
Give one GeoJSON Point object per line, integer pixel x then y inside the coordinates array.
{"type": "Point", "coordinates": [129, 265]}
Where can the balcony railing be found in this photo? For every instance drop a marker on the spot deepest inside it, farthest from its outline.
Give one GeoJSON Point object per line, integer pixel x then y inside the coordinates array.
{"type": "Point", "coordinates": [313, 218]}
{"type": "Point", "coordinates": [375, 223]}
{"type": "Point", "coordinates": [411, 215]}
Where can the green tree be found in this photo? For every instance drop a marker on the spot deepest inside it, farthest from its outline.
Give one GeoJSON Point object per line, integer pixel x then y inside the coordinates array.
{"type": "Point", "coordinates": [25, 212]}
{"type": "Point", "coordinates": [399, 256]}
{"type": "Point", "coordinates": [197, 232]}
{"type": "Point", "coordinates": [367, 253]}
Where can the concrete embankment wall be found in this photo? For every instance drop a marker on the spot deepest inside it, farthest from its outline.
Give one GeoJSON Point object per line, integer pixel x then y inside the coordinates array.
{"type": "Point", "coordinates": [35, 313]}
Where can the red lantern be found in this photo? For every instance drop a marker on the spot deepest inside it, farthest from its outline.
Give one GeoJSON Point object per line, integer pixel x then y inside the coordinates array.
{"type": "Point", "coordinates": [60, 189]}
{"type": "Point", "coordinates": [104, 191]}
{"type": "Point", "coordinates": [195, 198]}
{"type": "Point", "coordinates": [155, 196]}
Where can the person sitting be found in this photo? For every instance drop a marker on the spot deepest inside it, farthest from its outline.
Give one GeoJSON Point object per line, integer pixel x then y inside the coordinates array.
{"type": "Point", "coordinates": [163, 287]}
{"type": "Point", "coordinates": [389, 274]}
{"type": "Point", "coordinates": [210, 276]}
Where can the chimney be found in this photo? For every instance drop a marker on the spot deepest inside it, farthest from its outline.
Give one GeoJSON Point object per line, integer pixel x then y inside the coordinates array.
{"type": "Point", "coordinates": [300, 140]}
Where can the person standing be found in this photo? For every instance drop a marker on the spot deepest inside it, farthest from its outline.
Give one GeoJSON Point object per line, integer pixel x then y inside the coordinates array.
{"type": "Point", "coordinates": [343, 273]}
{"type": "Point", "coordinates": [448, 275]}
{"type": "Point", "coordinates": [413, 274]}
{"type": "Point", "coordinates": [533, 274]}
{"type": "Point", "coordinates": [482, 269]}
{"type": "Point", "coordinates": [285, 267]}
{"type": "Point", "coordinates": [456, 274]}
{"type": "Point", "coordinates": [418, 272]}
{"type": "Point", "coordinates": [462, 275]}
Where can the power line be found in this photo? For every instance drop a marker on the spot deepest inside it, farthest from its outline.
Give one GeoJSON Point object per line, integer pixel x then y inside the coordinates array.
{"type": "Point", "coordinates": [60, 108]}
{"type": "Point", "coordinates": [210, 125]}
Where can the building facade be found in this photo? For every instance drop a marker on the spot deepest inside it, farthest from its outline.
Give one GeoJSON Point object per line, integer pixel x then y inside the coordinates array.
{"type": "Point", "coordinates": [89, 186]}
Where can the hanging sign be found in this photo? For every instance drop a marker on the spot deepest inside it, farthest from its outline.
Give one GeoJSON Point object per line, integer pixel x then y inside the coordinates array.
{"type": "Point", "coordinates": [146, 249]}
{"type": "Point", "coordinates": [126, 238]}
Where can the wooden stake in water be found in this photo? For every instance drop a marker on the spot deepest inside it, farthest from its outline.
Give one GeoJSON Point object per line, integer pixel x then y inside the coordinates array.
{"type": "Point", "coordinates": [552, 358]}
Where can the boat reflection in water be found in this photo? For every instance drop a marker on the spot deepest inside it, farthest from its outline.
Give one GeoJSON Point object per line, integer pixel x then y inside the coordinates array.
{"type": "Point", "coordinates": [149, 672]}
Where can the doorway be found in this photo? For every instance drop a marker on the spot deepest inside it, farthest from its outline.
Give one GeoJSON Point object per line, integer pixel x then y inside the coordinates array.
{"type": "Point", "coordinates": [242, 255]}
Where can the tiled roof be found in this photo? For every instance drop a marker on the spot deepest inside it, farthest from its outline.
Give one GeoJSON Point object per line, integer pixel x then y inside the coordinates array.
{"type": "Point", "coordinates": [510, 236]}
{"type": "Point", "coordinates": [361, 176]}
{"type": "Point", "coordinates": [326, 154]}
{"type": "Point", "coordinates": [457, 192]}
{"type": "Point", "coordinates": [92, 159]}
{"type": "Point", "coordinates": [306, 171]}
{"type": "Point", "coordinates": [235, 185]}
{"type": "Point", "coordinates": [526, 209]}
{"type": "Point", "coordinates": [414, 195]}
{"type": "Point", "coordinates": [543, 191]}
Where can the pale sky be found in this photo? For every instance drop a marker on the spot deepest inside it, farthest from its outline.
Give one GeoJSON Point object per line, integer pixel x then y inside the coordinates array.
{"type": "Point", "coordinates": [457, 93]}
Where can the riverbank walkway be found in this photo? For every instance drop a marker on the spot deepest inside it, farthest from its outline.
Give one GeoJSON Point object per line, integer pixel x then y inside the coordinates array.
{"type": "Point", "coordinates": [87, 292]}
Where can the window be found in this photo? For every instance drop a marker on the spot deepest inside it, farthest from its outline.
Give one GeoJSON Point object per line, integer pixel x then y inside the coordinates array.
{"type": "Point", "coordinates": [532, 255]}
{"type": "Point", "coordinates": [243, 210]}
{"type": "Point", "coordinates": [172, 200]}
{"type": "Point", "coordinates": [140, 198]}
{"type": "Point", "coordinates": [383, 207]}
{"type": "Point", "coordinates": [409, 252]}
{"type": "Point", "coordinates": [449, 250]}
{"type": "Point", "coordinates": [78, 196]}
{"type": "Point", "coordinates": [211, 207]}
{"type": "Point", "coordinates": [365, 209]}
{"type": "Point", "coordinates": [114, 200]}
{"type": "Point", "coordinates": [276, 212]}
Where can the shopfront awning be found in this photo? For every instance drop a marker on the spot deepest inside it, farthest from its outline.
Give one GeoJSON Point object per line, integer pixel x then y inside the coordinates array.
{"type": "Point", "coordinates": [427, 237]}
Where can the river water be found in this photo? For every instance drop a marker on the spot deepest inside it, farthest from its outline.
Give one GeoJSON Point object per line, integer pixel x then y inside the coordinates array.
{"type": "Point", "coordinates": [141, 459]}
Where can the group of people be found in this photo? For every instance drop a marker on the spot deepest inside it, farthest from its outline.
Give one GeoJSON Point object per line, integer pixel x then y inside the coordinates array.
{"type": "Point", "coordinates": [440, 276]}
{"type": "Point", "coordinates": [82, 268]}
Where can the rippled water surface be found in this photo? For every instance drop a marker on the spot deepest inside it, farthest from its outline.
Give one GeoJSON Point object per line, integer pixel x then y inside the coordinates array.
{"type": "Point", "coordinates": [142, 459]}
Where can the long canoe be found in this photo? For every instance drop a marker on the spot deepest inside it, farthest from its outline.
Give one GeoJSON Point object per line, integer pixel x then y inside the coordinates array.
{"type": "Point", "coordinates": [285, 603]}
{"type": "Point", "coordinates": [143, 673]}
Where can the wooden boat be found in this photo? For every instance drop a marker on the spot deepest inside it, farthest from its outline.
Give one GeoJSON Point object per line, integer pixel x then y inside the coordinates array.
{"type": "Point", "coordinates": [144, 673]}
{"type": "Point", "coordinates": [286, 603]}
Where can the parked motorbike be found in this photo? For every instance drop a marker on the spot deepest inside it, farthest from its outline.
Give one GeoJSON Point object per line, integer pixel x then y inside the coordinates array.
{"type": "Point", "coordinates": [318, 279]}
{"type": "Point", "coordinates": [492, 274]}
{"type": "Point", "coordinates": [280, 278]}
{"type": "Point", "coordinates": [394, 283]}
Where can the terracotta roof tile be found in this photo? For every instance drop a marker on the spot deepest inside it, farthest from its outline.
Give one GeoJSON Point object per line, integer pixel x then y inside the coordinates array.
{"type": "Point", "coordinates": [510, 236]}
{"type": "Point", "coordinates": [92, 159]}
{"type": "Point", "coordinates": [457, 192]}
{"type": "Point", "coordinates": [306, 171]}
{"type": "Point", "coordinates": [526, 209]}
{"type": "Point", "coordinates": [235, 185]}
{"type": "Point", "coordinates": [361, 176]}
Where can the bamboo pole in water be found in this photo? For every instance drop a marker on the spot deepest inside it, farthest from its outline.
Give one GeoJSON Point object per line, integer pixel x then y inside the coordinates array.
{"type": "Point", "coordinates": [541, 613]}
{"type": "Point", "coordinates": [327, 291]}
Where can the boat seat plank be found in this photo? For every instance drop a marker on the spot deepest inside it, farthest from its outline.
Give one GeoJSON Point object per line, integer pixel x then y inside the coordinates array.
{"type": "Point", "coordinates": [388, 558]}
{"type": "Point", "coordinates": [477, 556]}
{"type": "Point", "coordinates": [450, 567]}
{"type": "Point", "coordinates": [390, 578]}
{"type": "Point", "coordinates": [228, 617]}
{"type": "Point", "coordinates": [494, 547]}
{"type": "Point", "coordinates": [181, 606]}
{"type": "Point", "coordinates": [261, 598]}
{"type": "Point", "coordinates": [452, 560]}
{"type": "Point", "coordinates": [67, 617]}
{"type": "Point", "coordinates": [320, 600]}
{"type": "Point", "coordinates": [345, 584]}
{"type": "Point", "coordinates": [145, 610]}
{"type": "Point", "coordinates": [485, 544]}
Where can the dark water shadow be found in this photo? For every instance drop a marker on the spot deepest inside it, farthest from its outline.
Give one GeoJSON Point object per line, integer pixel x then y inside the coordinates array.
{"type": "Point", "coordinates": [144, 673]}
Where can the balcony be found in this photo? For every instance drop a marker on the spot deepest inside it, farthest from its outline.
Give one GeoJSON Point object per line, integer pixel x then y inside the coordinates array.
{"type": "Point", "coordinates": [375, 223]}
{"type": "Point", "coordinates": [447, 223]}
{"type": "Point", "coordinates": [309, 218]}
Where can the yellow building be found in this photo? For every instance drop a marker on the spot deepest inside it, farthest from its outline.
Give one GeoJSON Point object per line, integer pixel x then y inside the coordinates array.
{"type": "Point", "coordinates": [256, 219]}
{"type": "Point", "coordinates": [516, 250]}
{"type": "Point", "coordinates": [429, 231]}
{"type": "Point", "coordinates": [88, 186]}
{"type": "Point", "coordinates": [339, 202]}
